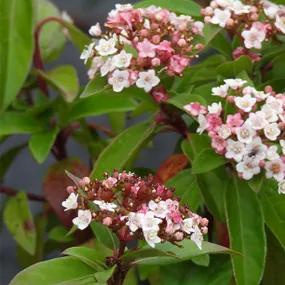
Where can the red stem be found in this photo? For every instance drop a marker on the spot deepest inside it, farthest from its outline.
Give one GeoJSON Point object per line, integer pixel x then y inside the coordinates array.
{"type": "Point", "coordinates": [12, 192]}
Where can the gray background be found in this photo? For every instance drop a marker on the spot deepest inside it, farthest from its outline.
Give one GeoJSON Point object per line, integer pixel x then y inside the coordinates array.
{"type": "Point", "coordinates": [25, 174]}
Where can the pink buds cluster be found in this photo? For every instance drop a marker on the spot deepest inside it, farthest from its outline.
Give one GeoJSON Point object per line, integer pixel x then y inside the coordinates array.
{"type": "Point", "coordinates": [252, 135]}
{"type": "Point", "coordinates": [254, 21]}
{"type": "Point", "coordinates": [134, 208]}
{"type": "Point", "coordinates": [139, 44]}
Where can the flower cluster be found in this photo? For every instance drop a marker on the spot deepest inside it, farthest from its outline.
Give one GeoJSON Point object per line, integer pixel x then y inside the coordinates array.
{"type": "Point", "coordinates": [251, 136]}
{"type": "Point", "coordinates": [254, 21]}
{"type": "Point", "coordinates": [139, 44]}
{"type": "Point", "coordinates": [134, 208]}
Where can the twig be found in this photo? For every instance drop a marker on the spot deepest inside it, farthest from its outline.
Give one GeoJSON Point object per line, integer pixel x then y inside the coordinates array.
{"type": "Point", "coordinates": [12, 192]}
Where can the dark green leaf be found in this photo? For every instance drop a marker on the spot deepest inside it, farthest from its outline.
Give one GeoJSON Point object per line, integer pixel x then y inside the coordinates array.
{"type": "Point", "coordinates": [40, 144]}
{"type": "Point", "coordinates": [18, 123]}
{"type": "Point", "coordinates": [16, 47]}
{"type": "Point", "coordinates": [210, 32]}
{"type": "Point", "coordinates": [187, 7]}
{"type": "Point", "coordinates": [207, 160]}
{"type": "Point", "coordinates": [122, 148]}
{"type": "Point", "coordinates": [59, 271]}
{"type": "Point", "coordinates": [19, 221]}
{"type": "Point", "coordinates": [245, 223]}
{"type": "Point", "coordinates": [103, 276]}
{"type": "Point", "coordinates": [105, 235]}
{"type": "Point", "coordinates": [95, 86]}
{"type": "Point", "coordinates": [64, 79]}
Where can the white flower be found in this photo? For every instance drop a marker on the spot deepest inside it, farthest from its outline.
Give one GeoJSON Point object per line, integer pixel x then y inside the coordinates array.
{"type": "Point", "coordinates": [281, 187]}
{"type": "Point", "coordinates": [110, 182]}
{"type": "Point", "coordinates": [256, 120]}
{"type": "Point", "coordinates": [159, 209]}
{"type": "Point", "coordinates": [105, 206]}
{"type": "Point", "coordinates": [224, 131]}
{"type": "Point", "coordinates": [275, 169]}
{"type": "Point", "coordinates": [198, 27]}
{"type": "Point", "coordinates": [239, 8]}
{"type": "Point", "coordinates": [151, 237]}
{"type": "Point", "coordinates": [259, 95]}
{"type": "Point", "coordinates": [134, 221]}
{"type": "Point", "coordinates": [147, 80]}
{"type": "Point", "coordinates": [245, 103]}
{"type": "Point", "coordinates": [255, 151]}
{"type": "Point", "coordinates": [272, 131]}
{"type": "Point", "coordinates": [197, 237]}
{"type": "Point", "coordinates": [187, 225]}
{"type": "Point", "coordinates": [269, 113]}
{"type": "Point", "coordinates": [272, 153]}
{"type": "Point", "coordinates": [97, 62]}
{"type": "Point", "coordinates": [221, 91]}
{"type": "Point", "coordinates": [149, 222]}
{"type": "Point", "coordinates": [95, 31]}
{"type": "Point", "coordinates": [107, 67]}
{"type": "Point", "coordinates": [220, 17]}
{"type": "Point", "coordinates": [270, 9]}
{"type": "Point", "coordinates": [275, 104]}
{"type": "Point", "coordinates": [71, 202]}
{"type": "Point", "coordinates": [215, 108]}
{"type": "Point", "coordinates": [253, 37]}
{"type": "Point", "coordinates": [87, 52]}
{"type": "Point", "coordinates": [280, 23]}
{"type": "Point", "coordinates": [106, 47]}
{"type": "Point", "coordinates": [122, 60]}
{"type": "Point", "coordinates": [202, 124]}
{"type": "Point", "coordinates": [119, 80]}
{"type": "Point", "coordinates": [235, 150]}
{"type": "Point", "coordinates": [245, 133]}
{"type": "Point", "coordinates": [83, 219]}
{"type": "Point", "coordinates": [247, 168]}
{"type": "Point", "coordinates": [282, 143]}
{"type": "Point", "coordinates": [235, 83]}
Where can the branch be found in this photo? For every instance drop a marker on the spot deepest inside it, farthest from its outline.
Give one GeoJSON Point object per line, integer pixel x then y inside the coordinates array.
{"type": "Point", "coordinates": [12, 192]}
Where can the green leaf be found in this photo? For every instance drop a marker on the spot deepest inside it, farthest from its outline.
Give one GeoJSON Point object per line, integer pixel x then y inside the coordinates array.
{"type": "Point", "coordinates": [7, 158]}
{"type": "Point", "coordinates": [16, 47]}
{"type": "Point", "coordinates": [186, 188]}
{"type": "Point", "coordinates": [87, 255]}
{"type": "Point", "coordinates": [50, 48]}
{"type": "Point", "coordinates": [18, 123]}
{"type": "Point", "coordinates": [183, 99]}
{"type": "Point", "coordinates": [100, 104]}
{"type": "Point", "coordinates": [64, 79]}
{"type": "Point", "coordinates": [105, 236]}
{"type": "Point", "coordinates": [210, 31]}
{"type": "Point", "coordinates": [58, 271]}
{"type": "Point", "coordinates": [187, 7]}
{"type": "Point", "coordinates": [168, 253]}
{"type": "Point", "coordinates": [19, 221]}
{"type": "Point", "coordinates": [60, 234]}
{"type": "Point", "coordinates": [122, 148]}
{"type": "Point", "coordinates": [202, 260]}
{"type": "Point", "coordinates": [245, 223]}
{"type": "Point", "coordinates": [207, 160]}
{"type": "Point", "coordinates": [95, 86]}
{"type": "Point", "coordinates": [40, 144]}
{"type": "Point", "coordinates": [103, 276]}
{"type": "Point", "coordinates": [117, 121]}
{"type": "Point", "coordinates": [274, 209]}
{"type": "Point", "coordinates": [233, 68]}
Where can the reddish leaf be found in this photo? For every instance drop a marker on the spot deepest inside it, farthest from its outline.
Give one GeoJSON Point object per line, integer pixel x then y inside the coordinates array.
{"type": "Point", "coordinates": [55, 184]}
{"type": "Point", "coordinates": [170, 167]}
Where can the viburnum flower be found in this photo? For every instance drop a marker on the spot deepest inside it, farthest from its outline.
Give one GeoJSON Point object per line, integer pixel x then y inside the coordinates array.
{"type": "Point", "coordinates": [251, 137]}
{"type": "Point", "coordinates": [253, 21]}
{"type": "Point", "coordinates": [144, 42]}
{"type": "Point", "coordinates": [134, 208]}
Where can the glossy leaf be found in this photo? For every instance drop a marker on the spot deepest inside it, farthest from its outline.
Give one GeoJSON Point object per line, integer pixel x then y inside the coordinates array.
{"type": "Point", "coordinates": [102, 277]}
{"type": "Point", "coordinates": [274, 209]}
{"type": "Point", "coordinates": [100, 104]}
{"type": "Point", "coordinates": [19, 221]}
{"type": "Point", "coordinates": [95, 86]}
{"type": "Point", "coordinates": [105, 236]}
{"type": "Point", "coordinates": [207, 160]}
{"type": "Point", "coordinates": [40, 144]}
{"type": "Point", "coordinates": [16, 47]}
{"type": "Point", "coordinates": [18, 123]}
{"type": "Point", "coordinates": [186, 188]}
{"type": "Point", "coordinates": [210, 31]}
{"type": "Point", "coordinates": [187, 7]}
{"type": "Point", "coordinates": [245, 223]}
{"type": "Point", "coordinates": [122, 148]}
{"type": "Point", "coordinates": [58, 271]}
{"type": "Point", "coordinates": [64, 79]}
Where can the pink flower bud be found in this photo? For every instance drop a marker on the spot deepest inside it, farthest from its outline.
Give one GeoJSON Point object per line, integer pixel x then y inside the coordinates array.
{"type": "Point", "coordinates": [156, 39]}
{"type": "Point", "coordinates": [107, 221]}
{"type": "Point", "coordinates": [155, 61]}
{"type": "Point", "coordinates": [181, 42]}
{"type": "Point", "coordinates": [179, 236]}
{"type": "Point", "coordinates": [70, 189]}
